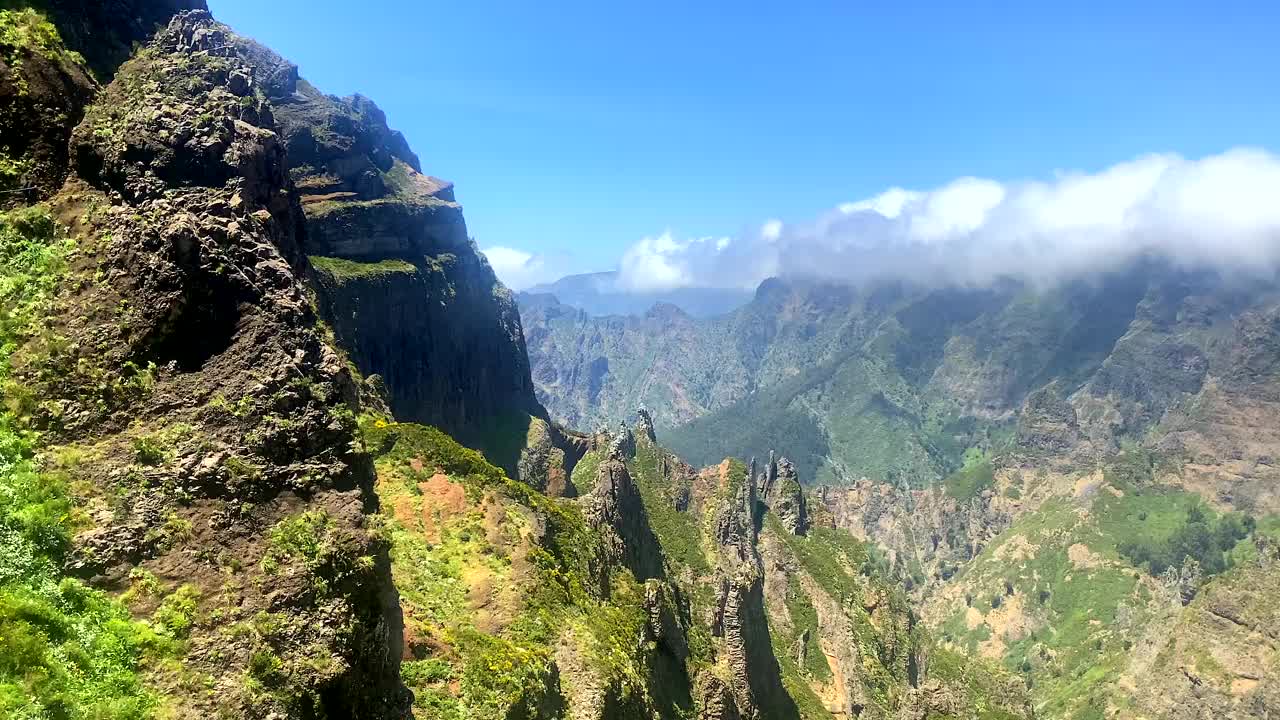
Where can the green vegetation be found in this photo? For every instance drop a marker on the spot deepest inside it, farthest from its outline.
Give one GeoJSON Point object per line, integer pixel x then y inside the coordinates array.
{"type": "Point", "coordinates": [33, 256]}
{"type": "Point", "coordinates": [805, 619]}
{"type": "Point", "coordinates": [977, 474]}
{"type": "Point", "coordinates": [793, 679]}
{"type": "Point", "coordinates": [989, 694]}
{"type": "Point", "coordinates": [845, 569]}
{"type": "Point", "coordinates": [584, 473]}
{"type": "Point", "coordinates": [343, 270]}
{"type": "Point", "coordinates": [763, 420]}
{"type": "Point", "coordinates": [150, 450]}
{"type": "Point", "coordinates": [30, 31]}
{"type": "Point", "coordinates": [313, 539]}
{"type": "Point", "coordinates": [66, 651]}
{"type": "Point", "coordinates": [679, 533]}
{"type": "Point", "coordinates": [1068, 579]}
{"type": "Point", "coordinates": [836, 560]}
{"type": "Point", "coordinates": [444, 545]}
{"type": "Point", "coordinates": [1205, 540]}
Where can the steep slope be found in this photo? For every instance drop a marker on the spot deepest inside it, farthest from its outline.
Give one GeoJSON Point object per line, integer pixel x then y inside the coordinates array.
{"type": "Point", "coordinates": [1087, 585]}
{"type": "Point", "coordinates": [592, 371]}
{"type": "Point", "coordinates": [795, 601]}
{"type": "Point", "coordinates": [408, 295]}
{"type": "Point", "coordinates": [195, 439]}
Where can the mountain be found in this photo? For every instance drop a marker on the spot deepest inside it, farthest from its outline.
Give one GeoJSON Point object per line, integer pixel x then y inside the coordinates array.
{"type": "Point", "coordinates": [270, 448]}
{"type": "Point", "coordinates": [1074, 482]}
{"type": "Point", "coordinates": [599, 294]}
{"type": "Point", "coordinates": [897, 383]}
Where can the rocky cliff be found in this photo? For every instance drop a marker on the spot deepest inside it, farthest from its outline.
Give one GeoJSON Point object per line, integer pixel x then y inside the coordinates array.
{"type": "Point", "coordinates": [407, 293]}
{"type": "Point", "coordinates": [182, 388]}
{"type": "Point", "coordinates": [234, 289]}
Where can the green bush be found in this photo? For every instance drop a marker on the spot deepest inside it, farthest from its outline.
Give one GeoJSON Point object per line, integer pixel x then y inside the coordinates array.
{"type": "Point", "coordinates": [1199, 537]}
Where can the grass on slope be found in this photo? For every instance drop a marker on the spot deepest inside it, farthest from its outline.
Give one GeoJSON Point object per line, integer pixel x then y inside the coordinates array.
{"type": "Point", "coordinates": [679, 533]}
{"type": "Point", "coordinates": [977, 474]}
{"type": "Point", "coordinates": [494, 576]}
{"type": "Point", "coordinates": [66, 650]}
{"type": "Point", "coordinates": [1060, 595]}
{"type": "Point", "coordinates": [343, 270]}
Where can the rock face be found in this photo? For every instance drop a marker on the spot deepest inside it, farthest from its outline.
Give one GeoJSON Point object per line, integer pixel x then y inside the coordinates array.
{"type": "Point", "coordinates": [187, 332]}
{"type": "Point", "coordinates": [894, 383]}
{"type": "Point", "coordinates": [615, 509]}
{"type": "Point", "coordinates": [44, 89]}
{"type": "Point", "coordinates": [930, 527]}
{"type": "Point", "coordinates": [1213, 660]}
{"type": "Point", "coordinates": [1047, 423]}
{"type": "Point", "coordinates": [105, 32]}
{"type": "Point", "coordinates": [739, 618]}
{"type": "Point", "coordinates": [407, 293]}
{"type": "Point", "coordinates": [666, 626]}
{"type": "Point", "coordinates": [780, 490]}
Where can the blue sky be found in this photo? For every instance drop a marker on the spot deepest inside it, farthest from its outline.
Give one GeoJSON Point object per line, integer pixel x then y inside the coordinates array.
{"type": "Point", "coordinates": [575, 129]}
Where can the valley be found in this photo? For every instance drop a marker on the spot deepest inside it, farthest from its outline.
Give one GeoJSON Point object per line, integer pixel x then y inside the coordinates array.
{"type": "Point", "coordinates": [277, 442]}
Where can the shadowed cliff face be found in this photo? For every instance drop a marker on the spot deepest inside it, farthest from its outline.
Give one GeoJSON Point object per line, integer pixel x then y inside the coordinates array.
{"type": "Point", "coordinates": [105, 31]}
{"type": "Point", "coordinates": [405, 290]}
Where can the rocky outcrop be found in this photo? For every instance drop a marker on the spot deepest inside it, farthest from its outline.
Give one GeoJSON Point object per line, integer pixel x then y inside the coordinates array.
{"type": "Point", "coordinates": [644, 427]}
{"type": "Point", "coordinates": [715, 699]}
{"type": "Point", "coordinates": [780, 491]}
{"type": "Point", "coordinates": [106, 32]}
{"type": "Point", "coordinates": [667, 625]}
{"type": "Point", "coordinates": [44, 89]}
{"type": "Point", "coordinates": [739, 617]}
{"type": "Point", "coordinates": [407, 293]}
{"type": "Point", "coordinates": [1047, 423]}
{"type": "Point", "coordinates": [622, 443]}
{"type": "Point", "coordinates": [549, 456]}
{"type": "Point", "coordinates": [188, 363]}
{"type": "Point", "coordinates": [930, 527]}
{"type": "Point", "coordinates": [615, 509]}
{"type": "Point", "coordinates": [1217, 658]}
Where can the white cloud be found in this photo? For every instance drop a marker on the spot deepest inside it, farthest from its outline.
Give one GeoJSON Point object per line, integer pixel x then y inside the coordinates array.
{"type": "Point", "coordinates": [663, 263]}
{"type": "Point", "coordinates": [1221, 211]}
{"type": "Point", "coordinates": [518, 269]}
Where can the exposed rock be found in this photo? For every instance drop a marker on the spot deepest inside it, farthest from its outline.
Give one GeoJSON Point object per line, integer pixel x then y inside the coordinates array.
{"type": "Point", "coordinates": [739, 616]}
{"type": "Point", "coordinates": [938, 530]}
{"type": "Point", "coordinates": [780, 491]}
{"type": "Point", "coordinates": [615, 508]}
{"type": "Point", "coordinates": [623, 444]}
{"type": "Point", "coordinates": [549, 456]}
{"type": "Point", "coordinates": [644, 427]}
{"type": "Point", "coordinates": [44, 90]}
{"type": "Point", "coordinates": [665, 626]}
{"type": "Point", "coordinates": [715, 699]}
{"type": "Point", "coordinates": [1183, 582]}
{"type": "Point", "coordinates": [195, 241]}
{"type": "Point", "coordinates": [407, 293]}
{"type": "Point", "coordinates": [107, 31]}
{"type": "Point", "coordinates": [1217, 658]}
{"type": "Point", "coordinates": [735, 525]}
{"type": "Point", "coordinates": [1047, 422]}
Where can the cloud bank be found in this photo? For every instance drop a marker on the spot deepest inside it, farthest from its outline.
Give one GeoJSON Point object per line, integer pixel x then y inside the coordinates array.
{"type": "Point", "coordinates": [1221, 211]}
{"type": "Point", "coordinates": [518, 269]}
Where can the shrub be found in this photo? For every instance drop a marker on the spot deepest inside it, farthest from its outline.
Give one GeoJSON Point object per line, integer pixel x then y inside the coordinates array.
{"type": "Point", "coordinates": [150, 450]}
{"type": "Point", "coordinates": [1202, 538]}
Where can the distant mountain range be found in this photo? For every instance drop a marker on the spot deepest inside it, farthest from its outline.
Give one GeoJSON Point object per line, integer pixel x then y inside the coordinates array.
{"type": "Point", "coordinates": [599, 294]}
{"type": "Point", "coordinates": [895, 382]}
